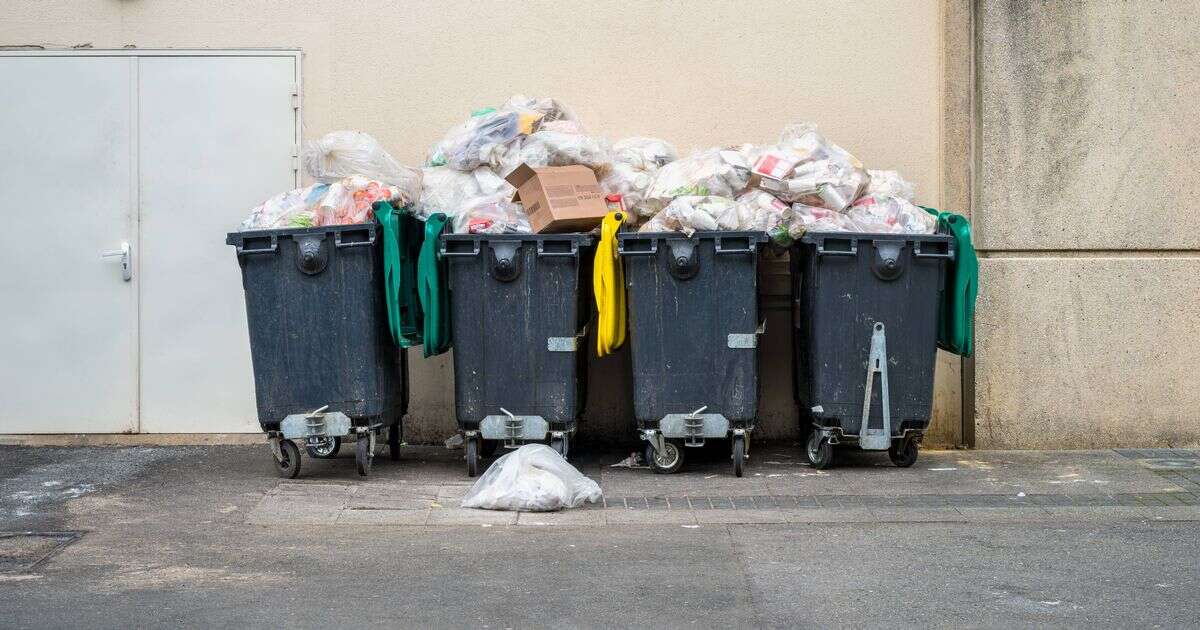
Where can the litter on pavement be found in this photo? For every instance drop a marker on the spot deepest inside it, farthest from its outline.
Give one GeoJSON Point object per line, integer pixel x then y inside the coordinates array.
{"type": "Point", "coordinates": [532, 478]}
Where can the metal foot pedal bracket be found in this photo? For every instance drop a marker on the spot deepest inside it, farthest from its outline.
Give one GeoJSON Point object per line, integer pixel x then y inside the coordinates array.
{"type": "Point", "coordinates": [876, 439]}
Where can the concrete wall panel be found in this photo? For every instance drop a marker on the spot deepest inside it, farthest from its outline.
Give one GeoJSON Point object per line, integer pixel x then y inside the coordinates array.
{"type": "Point", "coordinates": [1089, 134]}
{"type": "Point", "coordinates": [1088, 352]}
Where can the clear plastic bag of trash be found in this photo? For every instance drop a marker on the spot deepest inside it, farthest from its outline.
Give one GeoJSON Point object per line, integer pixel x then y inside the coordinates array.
{"type": "Point", "coordinates": [533, 478]}
{"type": "Point", "coordinates": [445, 190]}
{"type": "Point", "coordinates": [635, 161]}
{"type": "Point", "coordinates": [817, 219]}
{"type": "Point", "coordinates": [292, 209]}
{"type": "Point", "coordinates": [806, 168]}
{"type": "Point", "coordinates": [830, 183]}
{"type": "Point", "coordinates": [350, 200]}
{"type": "Point", "coordinates": [644, 154]}
{"type": "Point", "coordinates": [760, 211]}
{"type": "Point", "coordinates": [715, 173]}
{"type": "Point", "coordinates": [341, 154]}
{"type": "Point", "coordinates": [891, 215]}
{"type": "Point", "coordinates": [491, 214]}
{"type": "Point", "coordinates": [890, 184]}
{"type": "Point", "coordinates": [554, 148]}
{"type": "Point", "coordinates": [486, 137]}
{"type": "Point", "coordinates": [474, 142]}
{"type": "Point", "coordinates": [691, 213]}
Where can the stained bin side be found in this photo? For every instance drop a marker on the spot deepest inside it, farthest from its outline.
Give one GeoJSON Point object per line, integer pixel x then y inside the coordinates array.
{"type": "Point", "coordinates": [693, 315]}
{"type": "Point", "coordinates": [517, 319]}
{"type": "Point", "coordinates": [317, 317]}
{"type": "Point", "coordinates": [843, 285]}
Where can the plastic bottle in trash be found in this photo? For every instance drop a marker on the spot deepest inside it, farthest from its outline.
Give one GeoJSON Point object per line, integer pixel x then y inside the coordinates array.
{"type": "Point", "coordinates": [614, 203]}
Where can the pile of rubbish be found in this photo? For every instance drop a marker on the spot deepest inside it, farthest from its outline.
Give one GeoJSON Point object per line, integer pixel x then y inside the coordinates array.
{"type": "Point", "coordinates": [353, 172]}
{"type": "Point", "coordinates": [799, 184]}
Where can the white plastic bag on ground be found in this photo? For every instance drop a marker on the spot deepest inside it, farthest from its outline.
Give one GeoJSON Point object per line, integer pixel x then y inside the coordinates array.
{"type": "Point", "coordinates": [533, 478]}
{"type": "Point", "coordinates": [341, 154]}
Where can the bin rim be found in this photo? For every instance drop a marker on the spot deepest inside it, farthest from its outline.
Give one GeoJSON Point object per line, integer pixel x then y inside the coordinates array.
{"type": "Point", "coordinates": [815, 237]}
{"type": "Point", "coordinates": [236, 237]}
{"type": "Point", "coordinates": [756, 236]}
{"type": "Point", "coordinates": [583, 238]}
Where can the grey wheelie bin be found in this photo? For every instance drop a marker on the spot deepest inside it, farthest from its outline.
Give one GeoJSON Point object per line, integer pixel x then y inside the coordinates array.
{"type": "Point", "coordinates": [325, 365]}
{"type": "Point", "coordinates": [518, 316]}
{"type": "Point", "coordinates": [865, 310]}
{"type": "Point", "coordinates": [693, 335]}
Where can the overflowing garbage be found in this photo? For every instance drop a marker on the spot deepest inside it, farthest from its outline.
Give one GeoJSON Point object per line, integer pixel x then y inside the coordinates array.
{"type": "Point", "coordinates": [353, 171]}
{"type": "Point", "coordinates": [532, 478]}
{"type": "Point", "coordinates": [800, 183]}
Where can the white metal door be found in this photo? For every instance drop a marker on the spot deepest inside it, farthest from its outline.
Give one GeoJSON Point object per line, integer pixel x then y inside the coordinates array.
{"type": "Point", "coordinates": [68, 329]}
{"type": "Point", "coordinates": [217, 136]}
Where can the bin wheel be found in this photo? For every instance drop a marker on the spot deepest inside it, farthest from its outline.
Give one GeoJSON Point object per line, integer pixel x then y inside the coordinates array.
{"type": "Point", "coordinates": [903, 453]}
{"type": "Point", "coordinates": [363, 455]}
{"type": "Point", "coordinates": [394, 442]}
{"type": "Point", "coordinates": [561, 445]}
{"type": "Point", "coordinates": [327, 448]}
{"type": "Point", "coordinates": [820, 451]}
{"type": "Point", "coordinates": [668, 461]}
{"type": "Point", "coordinates": [488, 447]}
{"type": "Point", "coordinates": [739, 455]}
{"type": "Point", "coordinates": [289, 466]}
{"type": "Point", "coordinates": [472, 450]}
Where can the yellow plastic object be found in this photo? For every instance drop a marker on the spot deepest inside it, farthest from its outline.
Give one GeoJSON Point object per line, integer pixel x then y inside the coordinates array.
{"type": "Point", "coordinates": [608, 283]}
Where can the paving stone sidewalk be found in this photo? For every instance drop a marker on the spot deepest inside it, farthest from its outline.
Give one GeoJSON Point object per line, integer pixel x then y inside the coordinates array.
{"type": "Point", "coordinates": [425, 489]}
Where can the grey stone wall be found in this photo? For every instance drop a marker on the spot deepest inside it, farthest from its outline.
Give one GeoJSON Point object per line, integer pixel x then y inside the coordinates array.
{"type": "Point", "coordinates": [1086, 219]}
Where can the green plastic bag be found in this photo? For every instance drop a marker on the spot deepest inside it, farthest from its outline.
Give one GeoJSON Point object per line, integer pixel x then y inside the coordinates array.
{"type": "Point", "coordinates": [956, 320]}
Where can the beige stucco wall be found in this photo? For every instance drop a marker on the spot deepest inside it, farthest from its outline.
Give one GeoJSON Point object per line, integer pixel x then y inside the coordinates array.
{"type": "Point", "coordinates": [1090, 286]}
{"type": "Point", "coordinates": [695, 73]}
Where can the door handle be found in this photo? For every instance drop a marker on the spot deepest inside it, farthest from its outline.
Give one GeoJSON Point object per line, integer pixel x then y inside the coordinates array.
{"type": "Point", "coordinates": [126, 256]}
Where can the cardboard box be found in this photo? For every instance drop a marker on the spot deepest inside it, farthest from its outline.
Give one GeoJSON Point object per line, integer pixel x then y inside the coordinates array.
{"type": "Point", "coordinates": [559, 198]}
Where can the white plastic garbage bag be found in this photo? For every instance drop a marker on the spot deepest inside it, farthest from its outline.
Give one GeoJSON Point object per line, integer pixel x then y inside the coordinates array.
{"type": "Point", "coordinates": [635, 163]}
{"type": "Point", "coordinates": [715, 172]}
{"type": "Point", "coordinates": [446, 190]}
{"type": "Point", "coordinates": [491, 214]}
{"type": "Point", "coordinates": [533, 478]}
{"type": "Point", "coordinates": [292, 209]}
{"type": "Point", "coordinates": [817, 219]}
{"type": "Point", "coordinates": [341, 154]}
{"type": "Point", "coordinates": [890, 184]}
{"type": "Point", "coordinates": [891, 214]}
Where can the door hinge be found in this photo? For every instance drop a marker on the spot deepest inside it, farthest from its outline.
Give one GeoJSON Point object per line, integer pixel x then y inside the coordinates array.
{"type": "Point", "coordinates": [295, 157]}
{"type": "Point", "coordinates": [295, 96]}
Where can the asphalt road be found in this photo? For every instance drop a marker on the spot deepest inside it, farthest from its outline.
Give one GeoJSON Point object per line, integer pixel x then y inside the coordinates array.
{"type": "Point", "coordinates": [165, 543]}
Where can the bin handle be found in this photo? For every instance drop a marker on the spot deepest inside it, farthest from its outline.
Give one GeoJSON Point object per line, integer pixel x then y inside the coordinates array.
{"type": "Point", "coordinates": [748, 249]}
{"type": "Point", "coordinates": [246, 251]}
{"type": "Point", "coordinates": [571, 252]}
{"type": "Point", "coordinates": [917, 253]}
{"type": "Point", "coordinates": [637, 246]}
{"type": "Point", "coordinates": [337, 239]}
{"type": "Point", "coordinates": [444, 250]}
{"type": "Point", "coordinates": [853, 251]}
